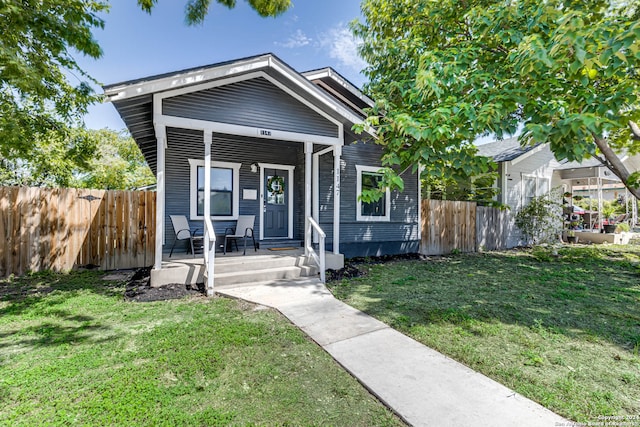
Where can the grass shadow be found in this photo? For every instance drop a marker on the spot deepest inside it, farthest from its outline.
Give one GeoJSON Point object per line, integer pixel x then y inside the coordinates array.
{"type": "Point", "coordinates": [582, 292]}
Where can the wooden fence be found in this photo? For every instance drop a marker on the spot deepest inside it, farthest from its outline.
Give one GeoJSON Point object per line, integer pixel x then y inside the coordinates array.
{"type": "Point", "coordinates": [62, 229]}
{"type": "Point", "coordinates": [449, 226]}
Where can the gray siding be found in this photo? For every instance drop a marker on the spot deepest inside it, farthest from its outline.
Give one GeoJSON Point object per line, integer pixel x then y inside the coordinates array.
{"type": "Point", "coordinates": [256, 103]}
{"type": "Point", "coordinates": [184, 144]}
{"type": "Point", "coordinates": [358, 238]}
{"type": "Point", "coordinates": [400, 235]}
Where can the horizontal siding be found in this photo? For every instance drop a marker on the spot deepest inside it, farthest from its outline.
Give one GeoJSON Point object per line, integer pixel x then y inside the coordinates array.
{"type": "Point", "coordinates": [369, 236]}
{"type": "Point", "coordinates": [256, 103]}
{"type": "Point", "coordinates": [184, 144]}
{"type": "Point", "coordinates": [540, 164]}
{"type": "Point", "coordinates": [357, 238]}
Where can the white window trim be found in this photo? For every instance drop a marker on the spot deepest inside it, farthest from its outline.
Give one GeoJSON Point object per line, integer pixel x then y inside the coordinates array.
{"type": "Point", "coordinates": [537, 190]}
{"type": "Point", "coordinates": [370, 218]}
{"type": "Point", "coordinates": [193, 188]}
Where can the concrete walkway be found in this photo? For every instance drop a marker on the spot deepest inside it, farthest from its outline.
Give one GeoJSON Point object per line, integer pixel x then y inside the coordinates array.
{"type": "Point", "coordinates": [421, 385]}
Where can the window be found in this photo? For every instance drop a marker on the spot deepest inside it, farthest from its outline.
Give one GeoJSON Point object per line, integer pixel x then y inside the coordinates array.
{"type": "Point", "coordinates": [224, 195]}
{"type": "Point", "coordinates": [533, 186]}
{"type": "Point", "coordinates": [368, 177]}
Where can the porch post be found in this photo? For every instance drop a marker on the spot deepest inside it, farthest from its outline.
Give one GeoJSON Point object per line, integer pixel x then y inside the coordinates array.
{"type": "Point", "coordinates": [600, 203]}
{"type": "Point", "coordinates": [315, 184]}
{"type": "Point", "coordinates": [161, 138]}
{"type": "Point", "coordinates": [207, 173]}
{"type": "Point", "coordinates": [308, 151]}
{"type": "Point", "coordinates": [337, 152]}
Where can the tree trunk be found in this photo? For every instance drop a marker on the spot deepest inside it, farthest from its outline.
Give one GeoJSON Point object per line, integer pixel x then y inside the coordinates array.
{"type": "Point", "coordinates": [615, 164]}
{"type": "Point", "coordinates": [635, 130]}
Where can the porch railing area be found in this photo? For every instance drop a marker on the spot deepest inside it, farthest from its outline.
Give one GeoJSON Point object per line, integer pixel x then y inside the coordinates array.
{"type": "Point", "coordinates": [209, 253]}
{"type": "Point", "coordinates": [318, 258]}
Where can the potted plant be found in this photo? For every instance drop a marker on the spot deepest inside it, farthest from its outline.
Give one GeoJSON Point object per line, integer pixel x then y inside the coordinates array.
{"type": "Point", "coordinates": [574, 224]}
{"type": "Point", "coordinates": [608, 210]}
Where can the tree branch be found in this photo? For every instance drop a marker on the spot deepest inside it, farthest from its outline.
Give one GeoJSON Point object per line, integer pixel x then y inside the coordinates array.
{"type": "Point", "coordinates": [635, 130]}
{"type": "Point", "coordinates": [615, 164]}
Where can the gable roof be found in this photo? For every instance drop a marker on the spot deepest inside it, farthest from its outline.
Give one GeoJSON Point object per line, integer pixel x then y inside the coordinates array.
{"type": "Point", "coordinates": [134, 99]}
{"type": "Point", "coordinates": [504, 151]}
{"type": "Point", "coordinates": [337, 86]}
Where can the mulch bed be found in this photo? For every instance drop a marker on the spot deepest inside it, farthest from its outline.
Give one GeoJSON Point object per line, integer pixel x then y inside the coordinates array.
{"type": "Point", "coordinates": [139, 289]}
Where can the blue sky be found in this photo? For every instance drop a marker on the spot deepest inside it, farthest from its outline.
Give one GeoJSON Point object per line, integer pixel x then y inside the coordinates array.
{"type": "Point", "coordinates": [312, 34]}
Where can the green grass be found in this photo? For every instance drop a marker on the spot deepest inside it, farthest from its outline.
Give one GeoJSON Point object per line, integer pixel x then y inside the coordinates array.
{"type": "Point", "coordinates": [563, 331]}
{"type": "Point", "coordinates": [73, 352]}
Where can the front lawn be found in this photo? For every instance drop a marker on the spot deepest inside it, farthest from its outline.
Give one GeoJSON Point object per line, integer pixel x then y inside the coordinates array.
{"type": "Point", "coordinates": [73, 352]}
{"type": "Point", "coordinates": [563, 331]}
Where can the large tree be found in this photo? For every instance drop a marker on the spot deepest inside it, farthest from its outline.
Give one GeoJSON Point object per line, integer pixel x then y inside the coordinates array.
{"type": "Point", "coordinates": [118, 163]}
{"type": "Point", "coordinates": [444, 73]}
{"type": "Point", "coordinates": [196, 10]}
{"type": "Point", "coordinates": [44, 93]}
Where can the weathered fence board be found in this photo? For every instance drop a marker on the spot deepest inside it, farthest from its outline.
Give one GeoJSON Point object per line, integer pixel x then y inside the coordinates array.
{"type": "Point", "coordinates": [449, 226]}
{"type": "Point", "coordinates": [491, 228]}
{"type": "Point", "coordinates": [62, 229]}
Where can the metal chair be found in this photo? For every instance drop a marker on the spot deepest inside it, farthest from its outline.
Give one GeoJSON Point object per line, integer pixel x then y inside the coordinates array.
{"type": "Point", "coordinates": [183, 232]}
{"type": "Point", "coordinates": [243, 230]}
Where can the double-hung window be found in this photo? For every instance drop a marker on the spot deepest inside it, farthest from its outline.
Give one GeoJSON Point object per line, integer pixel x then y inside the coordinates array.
{"type": "Point", "coordinates": [368, 178]}
{"type": "Point", "coordinates": [224, 196]}
{"type": "Point", "coordinates": [534, 186]}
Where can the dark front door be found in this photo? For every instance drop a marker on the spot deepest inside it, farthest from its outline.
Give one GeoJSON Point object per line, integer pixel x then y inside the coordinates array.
{"type": "Point", "coordinates": [276, 209]}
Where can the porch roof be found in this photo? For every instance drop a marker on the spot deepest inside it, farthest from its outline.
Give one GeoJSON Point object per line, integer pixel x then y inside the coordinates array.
{"type": "Point", "coordinates": [330, 93]}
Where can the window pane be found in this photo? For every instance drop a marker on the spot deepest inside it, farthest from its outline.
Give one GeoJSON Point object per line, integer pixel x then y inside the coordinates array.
{"type": "Point", "coordinates": [221, 203]}
{"type": "Point", "coordinates": [221, 191]}
{"type": "Point", "coordinates": [377, 208]}
{"type": "Point", "coordinates": [543, 186]}
{"type": "Point", "coordinates": [529, 189]}
{"type": "Point", "coordinates": [221, 179]}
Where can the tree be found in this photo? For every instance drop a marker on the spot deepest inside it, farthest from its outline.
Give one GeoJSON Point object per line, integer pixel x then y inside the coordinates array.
{"type": "Point", "coordinates": [196, 10]}
{"type": "Point", "coordinates": [443, 73]}
{"type": "Point", "coordinates": [43, 91]}
{"type": "Point", "coordinates": [118, 164]}
{"type": "Point", "coordinates": [37, 44]}
{"type": "Point", "coordinates": [54, 159]}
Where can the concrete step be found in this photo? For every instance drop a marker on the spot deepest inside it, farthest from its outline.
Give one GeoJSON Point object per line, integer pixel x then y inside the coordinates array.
{"type": "Point", "coordinates": [260, 262]}
{"type": "Point", "coordinates": [267, 274]}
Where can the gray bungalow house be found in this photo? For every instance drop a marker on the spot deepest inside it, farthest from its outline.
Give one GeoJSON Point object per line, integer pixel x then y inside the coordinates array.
{"type": "Point", "coordinates": [253, 119]}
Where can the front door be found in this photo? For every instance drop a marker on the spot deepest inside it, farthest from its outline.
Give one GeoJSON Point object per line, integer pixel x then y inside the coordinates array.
{"type": "Point", "coordinates": [276, 203]}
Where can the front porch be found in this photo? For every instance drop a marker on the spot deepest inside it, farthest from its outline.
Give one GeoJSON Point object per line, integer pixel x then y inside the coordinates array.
{"type": "Point", "coordinates": [234, 269]}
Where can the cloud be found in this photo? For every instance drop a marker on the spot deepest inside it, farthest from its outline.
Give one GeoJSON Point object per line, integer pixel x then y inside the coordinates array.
{"type": "Point", "coordinates": [297, 39]}
{"type": "Point", "coordinates": [343, 47]}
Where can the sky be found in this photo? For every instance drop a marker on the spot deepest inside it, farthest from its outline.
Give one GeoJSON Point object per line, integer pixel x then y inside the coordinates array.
{"type": "Point", "coordinates": [311, 34]}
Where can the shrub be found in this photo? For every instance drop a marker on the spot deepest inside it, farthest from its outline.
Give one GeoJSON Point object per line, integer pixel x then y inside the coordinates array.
{"type": "Point", "coordinates": [540, 220]}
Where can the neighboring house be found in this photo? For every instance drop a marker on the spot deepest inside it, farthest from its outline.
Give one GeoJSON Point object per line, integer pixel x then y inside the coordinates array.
{"type": "Point", "coordinates": [527, 172]}
{"type": "Point", "coordinates": [281, 148]}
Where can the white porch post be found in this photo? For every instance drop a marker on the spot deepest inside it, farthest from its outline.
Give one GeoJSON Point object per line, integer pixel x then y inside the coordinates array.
{"type": "Point", "coordinates": [315, 187]}
{"type": "Point", "coordinates": [337, 152]}
{"type": "Point", "coordinates": [308, 152]}
{"type": "Point", "coordinates": [600, 202]}
{"type": "Point", "coordinates": [161, 138]}
{"type": "Point", "coordinates": [207, 173]}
